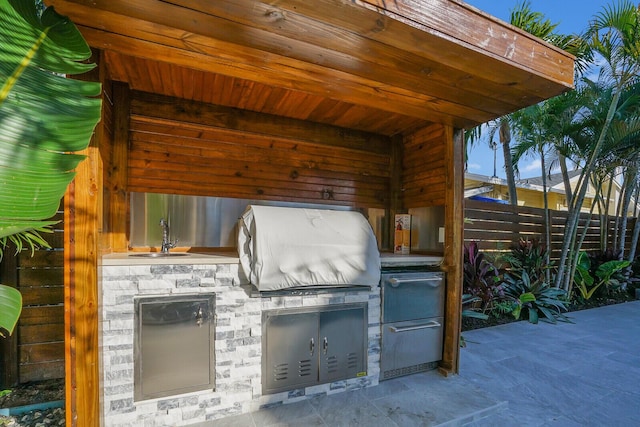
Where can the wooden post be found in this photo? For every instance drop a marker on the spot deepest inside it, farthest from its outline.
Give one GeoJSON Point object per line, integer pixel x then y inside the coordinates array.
{"type": "Point", "coordinates": [118, 202]}
{"type": "Point", "coordinates": [453, 250]}
{"type": "Point", "coordinates": [82, 232]}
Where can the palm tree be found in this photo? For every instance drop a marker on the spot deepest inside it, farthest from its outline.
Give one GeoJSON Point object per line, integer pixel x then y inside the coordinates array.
{"type": "Point", "coordinates": [536, 24]}
{"type": "Point", "coordinates": [614, 34]}
{"type": "Point", "coordinates": [44, 119]}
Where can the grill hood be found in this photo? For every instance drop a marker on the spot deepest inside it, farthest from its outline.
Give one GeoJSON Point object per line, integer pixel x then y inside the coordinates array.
{"type": "Point", "coordinates": [283, 248]}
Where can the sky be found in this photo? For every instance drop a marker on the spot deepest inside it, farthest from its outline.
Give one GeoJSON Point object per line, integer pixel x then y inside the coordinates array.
{"type": "Point", "coordinates": [572, 17]}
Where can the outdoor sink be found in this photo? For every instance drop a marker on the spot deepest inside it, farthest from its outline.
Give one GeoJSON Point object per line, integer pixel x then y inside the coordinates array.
{"type": "Point", "coordinates": [159, 254]}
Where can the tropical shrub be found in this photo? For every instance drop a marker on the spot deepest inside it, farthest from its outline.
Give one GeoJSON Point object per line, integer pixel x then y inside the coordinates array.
{"type": "Point", "coordinates": [591, 277]}
{"type": "Point", "coordinates": [530, 256]}
{"type": "Point", "coordinates": [526, 284]}
{"type": "Point", "coordinates": [481, 277]}
{"type": "Point", "coordinates": [537, 298]}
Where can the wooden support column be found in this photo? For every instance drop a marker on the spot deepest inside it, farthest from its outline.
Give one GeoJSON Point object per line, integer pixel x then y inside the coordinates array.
{"type": "Point", "coordinates": [118, 203]}
{"type": "Point", "coordinates": [453, 250]}
{"type": "Point", "coordinates": [82, 233]}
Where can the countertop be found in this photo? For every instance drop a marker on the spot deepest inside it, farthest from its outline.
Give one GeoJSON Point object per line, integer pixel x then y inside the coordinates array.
{"type": "Point", "coordinates": [132, 258]}
{"type": "Point", "coordinates": [388, 259]}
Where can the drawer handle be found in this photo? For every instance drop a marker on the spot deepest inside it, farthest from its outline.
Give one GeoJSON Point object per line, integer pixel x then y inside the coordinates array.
{"type": "Point", "coordinates": [432, 324]}
{"type": "Point", "coordinates": [396, 282]}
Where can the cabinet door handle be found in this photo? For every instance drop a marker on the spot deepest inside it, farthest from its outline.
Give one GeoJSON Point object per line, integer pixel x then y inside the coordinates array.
{"type": "Point", "coordinates": [312, 346]}
{"type": "Point", "coordinates": [433, 281]}
{"type": "Point", "coordinates": [325, 345]}
{"type": "Point", "coordinates": [432, 324]}
{"type": "Point", "coordinates": [199, 317]}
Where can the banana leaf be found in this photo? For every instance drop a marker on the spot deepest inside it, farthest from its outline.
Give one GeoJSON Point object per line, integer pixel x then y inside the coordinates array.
{"type": "Point", "coordinates": [45, 117]}
{"type": "Point", "coordinates": [10, 308]}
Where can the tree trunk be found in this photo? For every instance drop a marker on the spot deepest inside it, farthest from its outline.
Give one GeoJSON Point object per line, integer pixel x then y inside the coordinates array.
{"type": "Point", "coordinates": [574, 210]}
{"type": "Point", "coordinates": [629, 182]}
{"type": "Point", "coordinates": [568, 192]}
{"type": "Point", "coordinates": [505, 139]}
{"type": "Point", "coordinates": [547, 226]}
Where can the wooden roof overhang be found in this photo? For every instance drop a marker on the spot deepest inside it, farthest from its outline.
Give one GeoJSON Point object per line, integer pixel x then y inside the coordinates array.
{"type": "Point", "coordinates": [373, 65]}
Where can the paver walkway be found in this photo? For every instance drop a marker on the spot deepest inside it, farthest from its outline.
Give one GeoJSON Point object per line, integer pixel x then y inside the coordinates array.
{"type": "Point", "coordinates": [581, 374]}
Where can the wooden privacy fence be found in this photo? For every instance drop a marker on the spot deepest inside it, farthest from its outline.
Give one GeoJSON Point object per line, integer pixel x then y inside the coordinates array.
{"type": "Point", "coordinates": [497, 227]}
{"type": "Point", "coordinates": [36, 349]}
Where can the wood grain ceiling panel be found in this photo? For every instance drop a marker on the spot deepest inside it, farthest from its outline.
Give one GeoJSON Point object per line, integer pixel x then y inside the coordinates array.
{"type": "Point", "coordinates": [369, 64]}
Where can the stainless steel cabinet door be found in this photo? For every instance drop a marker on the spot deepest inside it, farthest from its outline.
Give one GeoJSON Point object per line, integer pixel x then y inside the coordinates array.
{"type": "Point", "coordinates": [342, 344]}
{"type": "Point", "coordinates": [291, 345]}
{"type": "Point", "coordinates": [173, 345]}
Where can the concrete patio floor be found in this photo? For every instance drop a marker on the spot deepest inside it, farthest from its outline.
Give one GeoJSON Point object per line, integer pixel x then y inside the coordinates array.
{"type": "Point", "coordinates": [581, 374]}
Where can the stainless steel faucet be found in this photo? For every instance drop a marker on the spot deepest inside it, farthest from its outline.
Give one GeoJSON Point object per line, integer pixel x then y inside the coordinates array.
{"type": "Point", "coordinates": [166, 244]}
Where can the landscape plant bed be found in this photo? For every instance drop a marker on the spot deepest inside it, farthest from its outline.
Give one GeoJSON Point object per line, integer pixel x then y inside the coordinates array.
{"type": "Point", "coordinates": [471, 323]}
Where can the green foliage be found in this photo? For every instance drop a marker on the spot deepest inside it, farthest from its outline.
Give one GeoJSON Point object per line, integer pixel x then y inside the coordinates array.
{"type": "Point", "coordinates": [526, 287]}
{"type": "Point", "coordinates": [501, 308]}
{"type": "Point", "coordinates": [538, 299]}
{"type": "Point", "coordinates": [587, 281]}
{"type": "Point", "coordinates": [530, 256]}
{"type": "Point", "coordinates": [481, 277]}
{"type": "Point", "coordinates": [10, 308]}
{"type": "Point", "coordinates": [470, 312]}
{"type": "Point", "coordinates": [44, 119]}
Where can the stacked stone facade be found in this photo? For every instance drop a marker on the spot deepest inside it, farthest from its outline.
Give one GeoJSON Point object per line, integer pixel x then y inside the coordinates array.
{"type": "Point", "coordinates": [238, 343]}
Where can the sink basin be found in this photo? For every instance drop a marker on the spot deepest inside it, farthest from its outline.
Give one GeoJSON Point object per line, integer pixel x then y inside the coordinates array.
{"type": "Point", "coordinates": [159, 254]}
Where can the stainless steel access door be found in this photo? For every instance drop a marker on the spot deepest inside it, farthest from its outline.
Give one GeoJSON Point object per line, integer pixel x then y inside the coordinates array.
{"type": "Point", "coordinates": [315, 345]}
{"type": "Point", "coordinates": [173, 345]}
{"type": "Point", "coordinates": [342, 344]}
{"type": "Point", "coordinates": [290, 358]}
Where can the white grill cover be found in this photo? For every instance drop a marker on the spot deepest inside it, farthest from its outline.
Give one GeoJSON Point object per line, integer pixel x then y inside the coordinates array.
{"type": "Point", "coordinates": [293, 247]}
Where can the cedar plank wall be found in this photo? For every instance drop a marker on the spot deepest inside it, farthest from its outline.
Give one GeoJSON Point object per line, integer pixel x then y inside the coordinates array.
{"type": "Point", "coordinates": [424, 169]}
{"type": "Point", "coordinates": [183, 147]}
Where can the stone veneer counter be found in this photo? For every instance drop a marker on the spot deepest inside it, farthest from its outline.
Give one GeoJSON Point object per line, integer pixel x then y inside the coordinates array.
{"type": "Point", "coordinates": [133, 258]}
{"type": "Point", "coordinates": [238, 338]}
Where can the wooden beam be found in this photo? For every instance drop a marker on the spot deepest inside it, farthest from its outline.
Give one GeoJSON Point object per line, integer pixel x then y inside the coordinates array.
{"type": "Point", "coordinates": [453, 249]}
{"type": "Point", "coordinates": [191, 114]}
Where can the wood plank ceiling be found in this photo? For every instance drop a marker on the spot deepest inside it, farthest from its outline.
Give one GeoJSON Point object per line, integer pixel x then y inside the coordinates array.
{"type": "Point", "coordinates": [374, 65]}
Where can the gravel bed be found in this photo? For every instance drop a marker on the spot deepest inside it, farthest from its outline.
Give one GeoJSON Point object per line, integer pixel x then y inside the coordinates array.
{"type": "Point", "coordinates": [32, 393]}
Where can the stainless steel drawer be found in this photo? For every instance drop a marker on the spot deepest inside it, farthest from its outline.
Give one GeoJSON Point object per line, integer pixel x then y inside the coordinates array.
{"type": "Point", "coordinates": [411, 346]}
{"type": "Point", "coordinates": [410, 296]}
